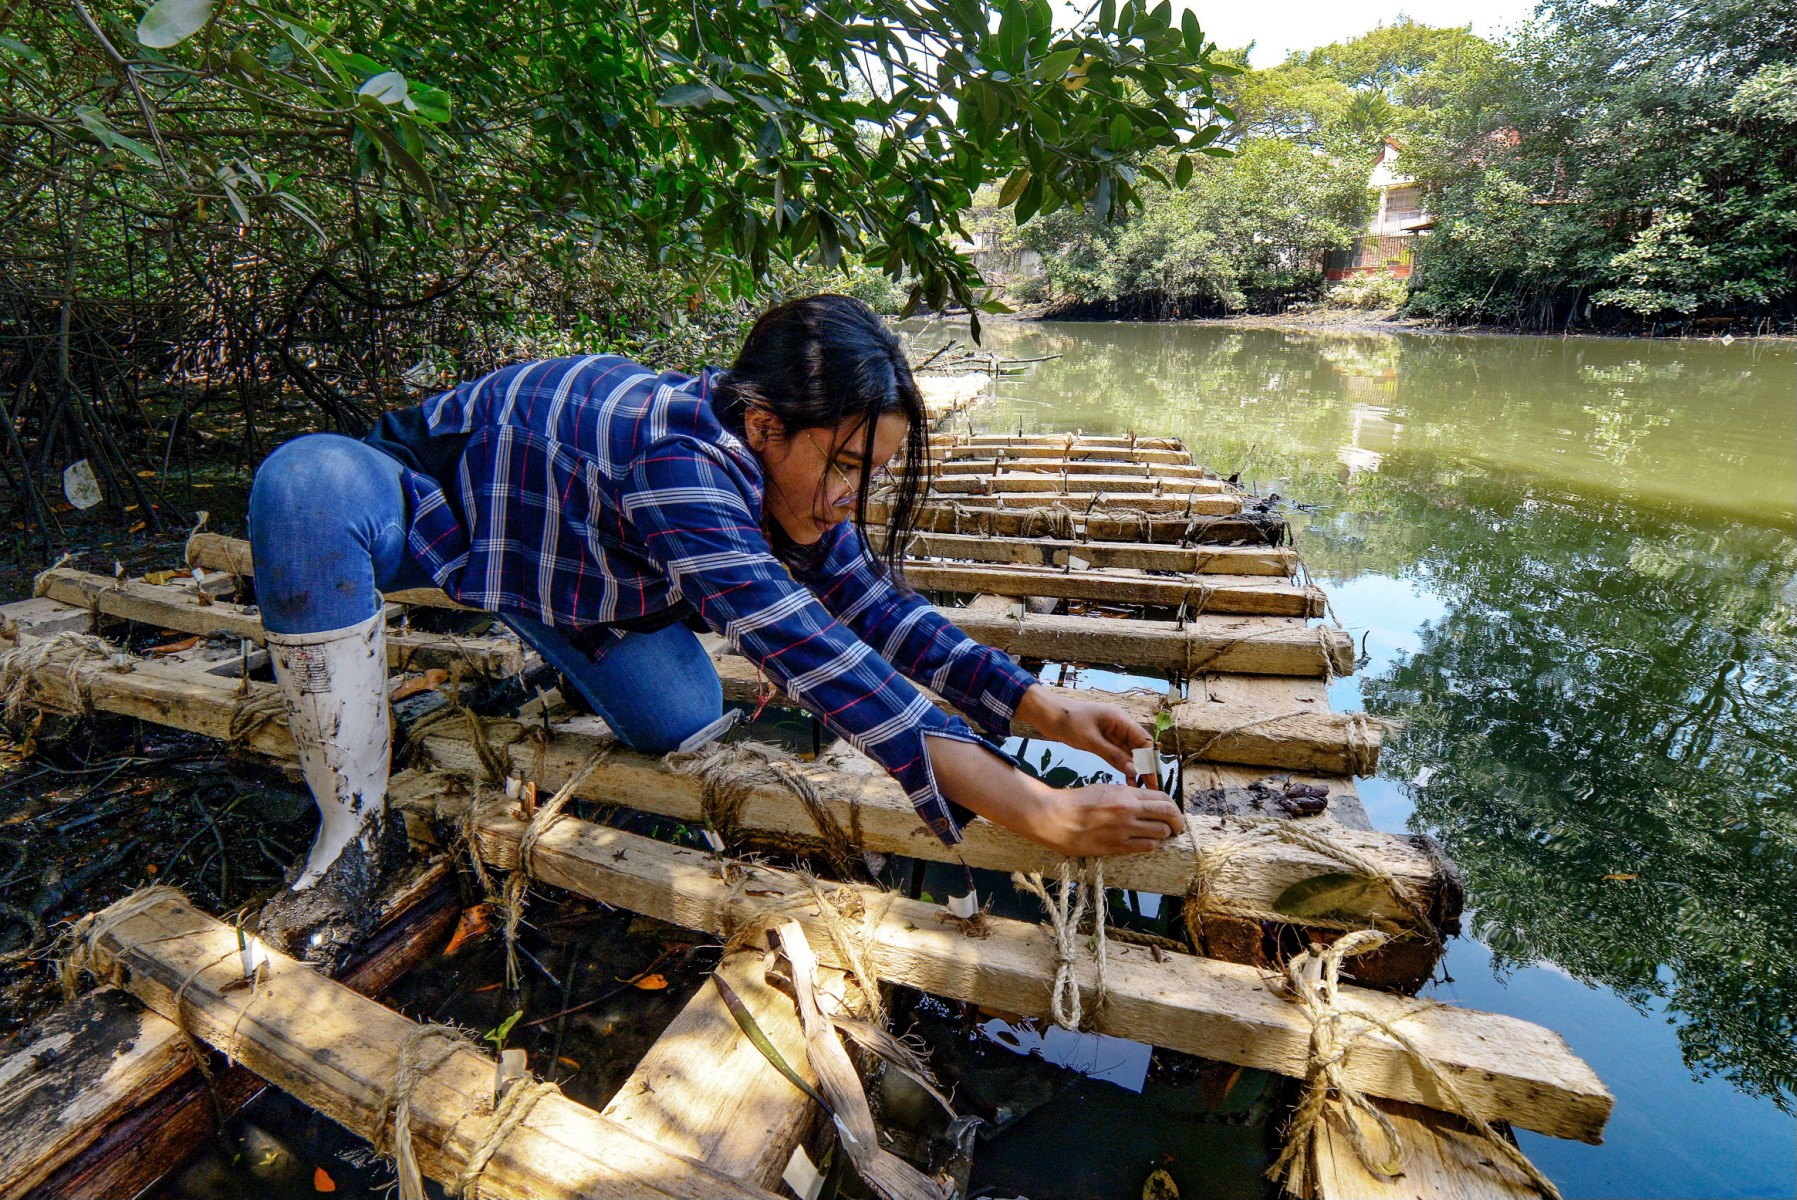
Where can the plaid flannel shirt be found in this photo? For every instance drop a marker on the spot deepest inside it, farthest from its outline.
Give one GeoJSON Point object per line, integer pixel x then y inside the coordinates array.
{"type": "Point", "coordinates": [593, 490]}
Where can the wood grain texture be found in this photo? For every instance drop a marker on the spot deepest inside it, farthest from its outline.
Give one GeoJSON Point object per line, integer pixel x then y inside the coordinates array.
{"type": "Point", "coordinates": [337, 1052]}
{"type": "Point", "coordinates": [1207, 642]}
{"type": "Point", "coordinates": [1055, 552]}
{"type": "Point", "coordinates": [705, 1091]}
{"type": "Point", "coordinates": [1508, 1069]}
{"type": "Point", "coordinates": [1234, 594]}
{"type": "Point", "coordinates": [171, 606]}
{"type": "Point", "coordinates": [1023, 482]}
{"type": "Point", "coordinates": [1442, 1161]}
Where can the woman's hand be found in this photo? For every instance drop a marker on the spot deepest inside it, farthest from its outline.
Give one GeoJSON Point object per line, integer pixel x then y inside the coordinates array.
{"type": "Point", "coordinates": [1100, 818]}
{"type": "Point", "coordinates": [1102, 729]}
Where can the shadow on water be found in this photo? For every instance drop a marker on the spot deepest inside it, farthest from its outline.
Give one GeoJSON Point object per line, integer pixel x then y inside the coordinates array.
{"type": "Point", "coordinates": [1579, 558]}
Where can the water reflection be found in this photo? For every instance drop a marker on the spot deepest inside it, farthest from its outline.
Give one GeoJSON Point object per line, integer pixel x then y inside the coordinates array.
{"type": "Point", "coordinates": [1600, 677]}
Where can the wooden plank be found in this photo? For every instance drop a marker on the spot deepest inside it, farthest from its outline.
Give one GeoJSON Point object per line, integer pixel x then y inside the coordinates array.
{"type": "Point", "coordinates": [171, 607]}
{"type": "Point", "coordinates": [1249, 594]}
{"type": "Point", "coordinates": [1207, 642]}
{"type": "Point", "coordinates": [1252, 734]}
{"type": "Point", "coordinates": [337, 1052]}
{"type": "Point", "coordinates": [1253, 529]}
{"type": "Point", "coordinates": [123, 1106]}
{"type": "Point", "coordinates": [1071, 466]}
{"type": "Point", "coordinates": [1507, 1068]}
{"type": "Point", "coordinates": [981, 485]}
{"type": "Point", "coordinates": [1080, 452]}
{"type": "Point", "coordinates": [705, 1091]}
{"type": "Point", "coordinates": [1442, 1161]}
{"type": "Point", "coordinates": [1080, 503]}
{"type": "Point", "coordinates": [79, 1069]}
{"type": "Point", "coordinates": [1050, 552]}
{"type": "Point", "coordinates": [1253, 870]}
{"type": "Point", "coordinates": [1250, 527]}
{"type": "Point", "coordinates": [1092, 441]}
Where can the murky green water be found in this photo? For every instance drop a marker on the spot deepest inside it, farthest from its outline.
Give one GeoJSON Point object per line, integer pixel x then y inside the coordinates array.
{"type": "Point", "coordinates": [1573, 566]}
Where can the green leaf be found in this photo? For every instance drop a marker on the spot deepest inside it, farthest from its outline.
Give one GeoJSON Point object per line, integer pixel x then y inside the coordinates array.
{"type": "Point", "coordinates": [389, 87]}
{"type": "Point", "coordinates": [1052, 67]}
{"type": "Point", "coordinates": [1320, 895]}
{"type": "Point", "coordinates": [1182, 174]}
{"type": "Point", "coordinates": [1121, 132]}
{"type": "Point", "coordinates": [1030, 201]}
{"type": "Point", "coordinates": [1013, 33]}
{"type": "Point", "coordinates": [171, 22]}
{"type": "Point", "coordinates": [21, 49]}
{"type": "Point", "coordinates": [499, 1033]}
{"type": "Point", "coordinates": [1013, 187]}
{"type": "Point", "coordinates": [685, 95]}
{"type": "Point", "coordinates": [134, 146]}
{"type": "Point", "coordinates": [1194, 35]}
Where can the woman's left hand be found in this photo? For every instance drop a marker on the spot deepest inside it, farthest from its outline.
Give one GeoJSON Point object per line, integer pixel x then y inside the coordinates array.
{"type": "Point", "coordinates": [1102, 729]}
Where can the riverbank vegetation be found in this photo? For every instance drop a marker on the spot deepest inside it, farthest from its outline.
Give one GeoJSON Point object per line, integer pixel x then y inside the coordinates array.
{"type": "Point", "coordinates": [1623, 168]}
{"type": "Point", "coordinates": [224, 223]}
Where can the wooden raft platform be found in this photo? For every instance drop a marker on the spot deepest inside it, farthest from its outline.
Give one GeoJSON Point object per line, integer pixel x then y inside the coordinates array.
{"type": "Point", "coordinates": [1246, 665]}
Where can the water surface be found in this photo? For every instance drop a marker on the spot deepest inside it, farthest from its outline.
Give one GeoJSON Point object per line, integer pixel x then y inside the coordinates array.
{"type": "Point", "coordinates": [1572, 567]}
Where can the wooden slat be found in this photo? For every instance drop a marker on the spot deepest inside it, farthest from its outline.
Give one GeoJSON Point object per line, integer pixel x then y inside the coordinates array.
{"type": "Point", "coordinates": [1507, 1068]}
{"type": "Point", "coordinates": [1073, 466]}
{"type": "Point", "coordinates": [172, 607]}
{"type": "Point", "coordinates": [1208, 641]}
{"type": "Point", "coordinates": [1081, 504]}
{"type": "Point", "coordinates": [705, 1091]}
{"type": "Point", "coordinates": [1248, 594]}
{"type": "Point", "coordinates": [1083, 440]}
{"type": "Point", "coordinates": [1247, 645]}
{"type": "Point", "coordinates": [120, 1105]}
{"type": "Point", "coordinates": [1077, 453]}
{"type": "Point", "coordinates": [980, 485]}
{"type": "Point", "coordinates": [1250, 529]}
{"type": "Point", "coordinates": [1294, 736]}
{"type": "Point", "coordinates": [337, 1052]}
{"type": "Point", "coordinates": [1252, 870]}
{"type": "Point", "coordinates": [1049, 552]}
{"type": "Point", "coordinates": [1442, 1161]}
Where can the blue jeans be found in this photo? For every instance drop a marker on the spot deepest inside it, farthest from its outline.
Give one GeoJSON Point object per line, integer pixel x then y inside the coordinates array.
{"type": "Point", "coordinates": [328, 530]}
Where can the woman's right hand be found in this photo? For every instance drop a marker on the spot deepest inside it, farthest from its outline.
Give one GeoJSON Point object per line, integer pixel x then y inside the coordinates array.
{"type": "Point", "coordinates": [1098, 819]}
{"type": "Point", "coordinates": [1102, 818]}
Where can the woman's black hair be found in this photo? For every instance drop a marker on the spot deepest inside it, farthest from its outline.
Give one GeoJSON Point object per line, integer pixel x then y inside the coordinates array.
{"type": "Point", "coordinates": [819, 361]}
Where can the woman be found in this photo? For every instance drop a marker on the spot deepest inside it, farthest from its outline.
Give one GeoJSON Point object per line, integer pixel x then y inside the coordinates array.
{"type": "Point", "coordinates": [597, 507]}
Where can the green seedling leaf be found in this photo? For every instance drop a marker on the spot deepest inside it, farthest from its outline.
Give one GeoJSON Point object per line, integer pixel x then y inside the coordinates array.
{"type": "Point", "coordinates": [1321, 895]}
{"type": "Point", "coordinates": [745, 1021]}
{"type": "Point", "coordinates": [499, 1033]}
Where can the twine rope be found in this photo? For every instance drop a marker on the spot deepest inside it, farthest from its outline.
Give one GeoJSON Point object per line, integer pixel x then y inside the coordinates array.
{"type": "Point", "coordinates": [1203, 898]}
{"type": "Point", "coordinates": [1358, 753]}
{"type": "Point", "coordinates": [1312, 980]}
{"type": "Point", "coordinates": [22, 665]}
{"type": "Point", "coordinates": [729, 773]}
{"type": "Point", "coordinates": [517, 887]}
{"type": "Point", "coordinates": [1066, 909]}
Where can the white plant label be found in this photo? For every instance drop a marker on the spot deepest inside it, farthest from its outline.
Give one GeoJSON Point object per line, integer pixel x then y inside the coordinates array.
{"type": "Point", "coordinates": [254, 955]}
{"type": "Point", "coordinates": [801, 1176]}
{"type": "Point", "coordinates": [711, 732]}
{"type": "Point", "coordinates": [79, 484]}
{"type": "Point", "coordinates": [715, 839]}
{"type": "Point", "coordinates": [1147, 765]}
{"type": "Point", "coordinates": [1077, 563]}
{"type": "Point", "coordinates": [966, 906]}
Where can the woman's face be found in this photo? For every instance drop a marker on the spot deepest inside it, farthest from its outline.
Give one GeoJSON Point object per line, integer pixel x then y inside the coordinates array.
{"type": "Point", "coordinates": [814, 474]}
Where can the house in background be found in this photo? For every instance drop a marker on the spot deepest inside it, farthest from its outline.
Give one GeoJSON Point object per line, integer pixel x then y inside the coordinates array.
{"type": "Point", "coordinates": [1391, 235]}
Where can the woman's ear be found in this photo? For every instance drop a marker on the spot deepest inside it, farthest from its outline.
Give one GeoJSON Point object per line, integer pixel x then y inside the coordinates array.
{"type": "Point", "coordinates": [759, 425]}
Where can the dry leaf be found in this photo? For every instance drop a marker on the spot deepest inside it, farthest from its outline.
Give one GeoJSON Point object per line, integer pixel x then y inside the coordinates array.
{"type": "Point", "coordinates": [429, 681]}
{"type": "Point", "coordinates": [321, 1181]}
{"type": "Point", "coordinates": [187, 643]}
{"type": "Point", "coordinates": [161, 577]}
{"type": "Point", "coordinates": [137, 528]}
{"type": "Point", "coordinates": [475, 921]}
{"type": "Point", "coordinates": [1619, 877]}
{"type": "Point", "coordinates": [567, 1062]}
{"type": "Point", "coordinates": [650, 983]}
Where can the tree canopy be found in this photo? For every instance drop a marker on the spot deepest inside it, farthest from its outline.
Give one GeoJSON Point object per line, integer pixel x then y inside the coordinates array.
{"type": "Point", "coordinates": [329, 196]}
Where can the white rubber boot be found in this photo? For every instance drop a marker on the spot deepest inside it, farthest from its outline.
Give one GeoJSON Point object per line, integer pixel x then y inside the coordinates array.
{"type": "Point", "coordinates": [335, 686]}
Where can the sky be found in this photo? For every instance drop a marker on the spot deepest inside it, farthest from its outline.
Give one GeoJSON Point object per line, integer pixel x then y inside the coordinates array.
{"type": "Point", "coordinates": [1278, 27]}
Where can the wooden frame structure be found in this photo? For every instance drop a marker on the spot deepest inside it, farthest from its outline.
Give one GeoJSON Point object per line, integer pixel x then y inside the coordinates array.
{"type": "Point", "coordinates": [1134, 524]}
